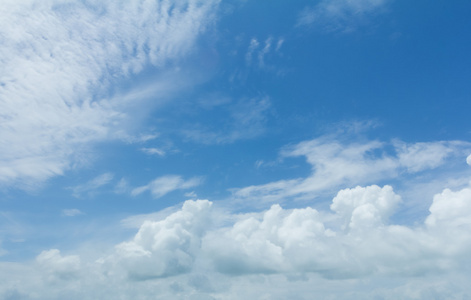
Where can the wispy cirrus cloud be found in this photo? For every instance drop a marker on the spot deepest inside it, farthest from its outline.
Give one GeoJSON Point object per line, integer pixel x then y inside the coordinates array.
{"type": "Point", "coordinates": [340, 15]}
{"type": "Point", "coordinates": [153, 151]}
{"type": "Point", "coordinates": [335, 164]}
{"type": "Point", "coordinates": [92, 185]}
{"type": "Point", "coordinates": [59, 59]}
{"type": "Point", "coordinates": [166, 184]}
{"type": "Point", "coordinates": [270, 46]}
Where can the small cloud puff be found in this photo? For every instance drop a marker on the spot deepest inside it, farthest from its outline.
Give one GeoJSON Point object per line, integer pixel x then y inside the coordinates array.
{"type": "Point", "coordinates": [153, 151]}
{"type": "Point", "coordinates": [353, 240]}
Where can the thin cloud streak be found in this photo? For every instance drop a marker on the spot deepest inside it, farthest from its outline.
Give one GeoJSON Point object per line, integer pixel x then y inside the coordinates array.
{"type": "Point", "coordinates": [92, 185]}
{"type": "Point", "coordinates": [163, 185]}
{"type": "Point", "coordinates": [340, 15]}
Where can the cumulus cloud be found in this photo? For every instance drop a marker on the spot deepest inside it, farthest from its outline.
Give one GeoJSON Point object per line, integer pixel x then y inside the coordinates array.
{"type": "Point", "coordinates": [343, 15]}
{"type": "Point", "coordinates": [365, 207]}
{"type": "Point", "coordinates": [354, 243]}
{"type": "Point", "coordinates": [166, 184]}
{"type": "Point", "coordinates": [56, 266]}
{"type": "Point", "coordinates": [168, 247]}
{"type": "Point", "coordinates": [450, 209]}
{"type": "Point", "coordinates": [59, 60]}
{"type": "Point", "coordinates": [468, 160]}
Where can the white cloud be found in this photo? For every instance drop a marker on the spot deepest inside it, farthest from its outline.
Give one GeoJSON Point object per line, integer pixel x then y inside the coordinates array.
{"type": "Point", "coordinates": [468, 160]}
{"type": "Point", "coordinates": [343, 15]}
{"type": "Point", "coordinates": [365, 207]}
{"type": "Point", "coordinates": [59, 59]}
{"type": "Point", "coordinates": [142, 138]}
{"type": "Point", "coordinates": [335, 164]}
{"type": "Point", "coordinates": [261, 53]}
{"type": "Point", "coordinates": [252, 47]}
{"type": "Point", "coordinates": [153, 151]}
{"type": "Point", "coordinates": [351, 251]}
{"type": "Point", "coordinates": [191, 195]}
{"type": "Point", "coordinates": [280, 43]}
{"type": "Point", "coordinates": [451, 209]}
{"type": "Point", "coordinates": [166, 184]}
{"type": "Point", "coordinates": [168, 247]}
{"type": "Point", "coordinates": [355, 241]}
{"type": "Point", "coordinates": [420, 156]}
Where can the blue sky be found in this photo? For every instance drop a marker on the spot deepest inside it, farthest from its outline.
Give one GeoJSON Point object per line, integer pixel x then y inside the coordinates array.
{"type": "Point", "coordinates": [235, 149]}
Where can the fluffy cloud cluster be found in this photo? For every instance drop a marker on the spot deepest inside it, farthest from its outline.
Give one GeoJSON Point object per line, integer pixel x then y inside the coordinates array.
{"type": "Point", "coordinates": [354, 239]}
{"type": "Point", "coordinates": [191, 252]}
{"type": "Point", "coordinates": [168, 247]}
{"type": "Point", "coordinates": [58, 61]}
{"type": "Point", "coordinates": [365, 207]}
{"type": "Point", "coordinates": [54, 265]}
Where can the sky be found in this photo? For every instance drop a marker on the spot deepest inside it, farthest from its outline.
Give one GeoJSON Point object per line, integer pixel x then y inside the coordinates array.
{"type": "Point", "coordinates": [235, 149]}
